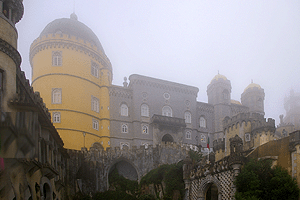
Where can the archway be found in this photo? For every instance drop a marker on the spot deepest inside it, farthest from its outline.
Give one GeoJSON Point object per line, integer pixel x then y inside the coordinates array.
{"type": "Point", "coordinates": [167, 138]}
{"type": "Point", "coordinates": [124, 169]}
{"type": "Point", "coordinates": [46, 191]}
{"type": "Point", "coordinates": [211, 192]}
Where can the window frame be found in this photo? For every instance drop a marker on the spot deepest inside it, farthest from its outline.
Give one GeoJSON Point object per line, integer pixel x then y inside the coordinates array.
{"type": "Point", "coordinates": [124, 128]}
{"type": "Point", "coordinates": [145, 129]}
{"type": "Point", "coordinates": [188, 117]}
{"type": "Point", "coordinates": [95, 124]}
{"type": "Point", "coordinates": [144, 110]}
{"type": "Point", "coordinates": [56, 115]}
{"type": "Point", "coordinates": [95, 104]}
{"type": "Point", "coordinates": [203, 138]}
{"type": "Point", "coordinates": [55, 99]}
{"type": "Point", "coordinates": [165, 113]}
{"type": "Point", "coordinates": [202, 122]}
{"type": "Point", "coordinates": [124, 110]}
{"type": "Point", "coordinates": [188, 135]}
{"type": "Point", "coordinates": [95, 69]}
{"type": "Point", "coordinates": [56, 58]}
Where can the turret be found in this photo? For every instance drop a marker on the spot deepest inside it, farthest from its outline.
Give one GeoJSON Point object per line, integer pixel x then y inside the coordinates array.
{"type": "Point", "coordinates": [253, 97]}
{"type": "Point", "coordinates": [11, 11]}
{"type": "Point", "coordinates": [218, 92]}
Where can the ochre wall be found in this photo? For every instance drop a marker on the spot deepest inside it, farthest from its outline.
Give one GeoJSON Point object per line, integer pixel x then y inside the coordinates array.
{"type": "Point", "coordinates": [78, 86]}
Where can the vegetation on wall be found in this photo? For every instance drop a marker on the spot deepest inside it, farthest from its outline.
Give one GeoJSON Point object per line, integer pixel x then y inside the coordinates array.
{"type": "Point", "coordinates": [170, 175]}
{"type": "Point", "coordinates": [119, 183]}
{"type": "Point", "coordinates": [258, 180]}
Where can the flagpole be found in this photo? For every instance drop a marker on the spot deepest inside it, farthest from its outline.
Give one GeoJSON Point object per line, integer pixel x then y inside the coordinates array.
{"type": "Point", "coordinates": [208, 145]}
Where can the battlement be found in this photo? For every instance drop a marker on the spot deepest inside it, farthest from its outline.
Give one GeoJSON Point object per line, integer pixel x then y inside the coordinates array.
{"type": "Point", "coordinates": [99, 153]}
{"type": "Point", "coordinates": [219, 144]}
{"type": "Point", "coordinates": [65, 41]}
{"type": "Point", "coordinates": [241, 117]}
{"type": "Point", "coordinates": [263, 125]}
{"type": "Point", "coordinates": [60, 37]}
{"type": "Point", "coordinates": [294, 140]}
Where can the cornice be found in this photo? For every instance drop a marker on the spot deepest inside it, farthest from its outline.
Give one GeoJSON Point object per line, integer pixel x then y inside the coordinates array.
{"type": "Point", "coordinates": [9, 50]}
{"type": "Point", "coordinates": [163, 86]}
{"type": "Point", "coordinates": [60, 43]}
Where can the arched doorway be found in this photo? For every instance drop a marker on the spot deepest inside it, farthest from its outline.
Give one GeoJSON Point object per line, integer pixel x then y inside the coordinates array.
{"type": "Point", "coordinates": [212, 192]}
{"type": "Point", "coordinates": [46, 191]}
{"type": "Point", "coordinates": [125, 169]}
{"type": "Point", "coordinates": [167, 138]}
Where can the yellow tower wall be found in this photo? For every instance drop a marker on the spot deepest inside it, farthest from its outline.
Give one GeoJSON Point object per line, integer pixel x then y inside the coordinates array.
{"type": "Point", "coordinates": [78, 86]}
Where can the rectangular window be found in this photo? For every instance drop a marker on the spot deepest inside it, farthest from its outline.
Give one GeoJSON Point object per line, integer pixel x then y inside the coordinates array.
{"type": "Point", "coordinates": [56, 58]}
{"type": "Point", "coordinates": [95, 104]}
{"type": "Point", "coordinates": [56, 96]}
{"type": "Point", "coordinates": [95, 69]}
{"type": "Point", "coordinates": [95, 124]}
{"type": "Point", "coordinates": [56, 117]}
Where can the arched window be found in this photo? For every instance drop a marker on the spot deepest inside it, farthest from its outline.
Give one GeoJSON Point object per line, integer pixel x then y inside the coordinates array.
{"type": "Point", "coordinates": [124, 128]}
{"type": "Point", "coordinates": [124, 145]}
{"type": "Point", "coordinates": [95, 124]}
{"type": "Point", "coordinates": [144, 110]}
{"type": "Point", "coordinates": [145, 129]}
{"type": "Point", "coordinates": [95, 104]}
{"type": "Point", "coordinates": [188, 117]}
{"type": "Point", "coordinates": [203, 138]}
{"type": "Point", "coordinates": [202, 122]}
{"type": "Point", "coordinates": [95, 69]}
{"type": "Point", "coordinates": [56, 58]}
{"type": "Point", "coordinates": [124, 110]}
{"type": "Point", "coordinates": [5, 10]}
{"type": "Point", "coordinates": [167, 111]}
{"type": "Point", "coordinates": [188, 135]}
{"type": "Point", "coordinates": [56, 117]}
{"type": "Point", "coordinates": [56, 96]}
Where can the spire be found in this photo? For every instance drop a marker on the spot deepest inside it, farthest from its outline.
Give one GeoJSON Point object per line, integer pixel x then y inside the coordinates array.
{"type": "Point", "coordinates": [251, 80]}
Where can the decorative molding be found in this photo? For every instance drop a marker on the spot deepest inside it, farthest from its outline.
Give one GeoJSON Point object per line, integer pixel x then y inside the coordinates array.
{"type": "Point", "coordinates": [9, 50]}
{"type": "Point", "coordinates": [69, 45]}
{"type": "Point", "coordinates": [164, 86]}
{"type": "Point", "coordinates": [63, 74]}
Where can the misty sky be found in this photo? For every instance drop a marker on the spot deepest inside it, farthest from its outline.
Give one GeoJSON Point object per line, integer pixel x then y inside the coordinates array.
{"type": "Point", "coordinates": [187, 41]}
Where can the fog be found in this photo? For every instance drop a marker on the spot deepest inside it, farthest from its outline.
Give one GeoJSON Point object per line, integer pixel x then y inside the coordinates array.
{"type": "Point", "coordinates": [187, 41]}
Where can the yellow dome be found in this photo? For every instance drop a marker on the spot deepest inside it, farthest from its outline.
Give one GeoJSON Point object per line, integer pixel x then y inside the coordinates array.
{"type": "Point", "coordinates": [252, 85]}
{"type": "Point", "coordinates": [235, 102]}
{"type": "Point", "coordinates": [219, 76]}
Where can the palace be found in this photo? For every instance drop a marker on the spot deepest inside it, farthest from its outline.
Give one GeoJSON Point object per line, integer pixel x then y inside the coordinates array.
{"type": "Point", "coordinates": [73, 126]}
{"type": "Point", "coordinates": [74, 77]}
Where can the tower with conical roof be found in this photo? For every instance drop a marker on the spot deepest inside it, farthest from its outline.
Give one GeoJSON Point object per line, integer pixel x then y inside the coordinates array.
{"type": "Point", "coordinates": [253, 97]}
{"type": "Point", "coordinates": [73, 75]}
{"type": "Point", "coordinates": [219, 95]}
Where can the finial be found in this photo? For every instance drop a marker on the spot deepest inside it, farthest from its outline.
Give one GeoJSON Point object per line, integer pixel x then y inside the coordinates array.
{"type": "Point", "coordinates": [73, 16]}
{"type": "Point", "coordinates": [74, 6]}
{"type": "Point", "coordinates": [218, 72]}
{"type": "Point", "coordinates": [125, 84]}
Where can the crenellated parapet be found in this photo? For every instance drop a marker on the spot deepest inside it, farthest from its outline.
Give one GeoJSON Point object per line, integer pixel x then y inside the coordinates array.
{"type": "Point", "coordinates": [294, 140]}
{"type": "Point", "coordinates": [263, 125]}
{"type": "Point", "coordinates": [219, 145]}
{"type": "Point", "coordinates": [66, 41]}
{"type": "Point", "coordinates": [240, 118]}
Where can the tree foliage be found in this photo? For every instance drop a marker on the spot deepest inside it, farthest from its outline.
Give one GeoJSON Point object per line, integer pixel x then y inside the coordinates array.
{"type": "Point", "coordinates": [258, 180]}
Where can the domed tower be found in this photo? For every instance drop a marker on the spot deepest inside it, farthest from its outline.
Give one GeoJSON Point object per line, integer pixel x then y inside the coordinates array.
{"type": "Point", "coordinates": [10, 13]}
{"type": "Point", "coordinates": [253, 97]}
{"type": "Point", "coordinates": [219, 95]}
{"type": "Point", "coordinates": [72, 74]}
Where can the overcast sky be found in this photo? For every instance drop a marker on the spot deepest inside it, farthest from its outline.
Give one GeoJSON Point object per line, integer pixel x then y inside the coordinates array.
{"type": "Point", "coordinates": [187, 41]}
